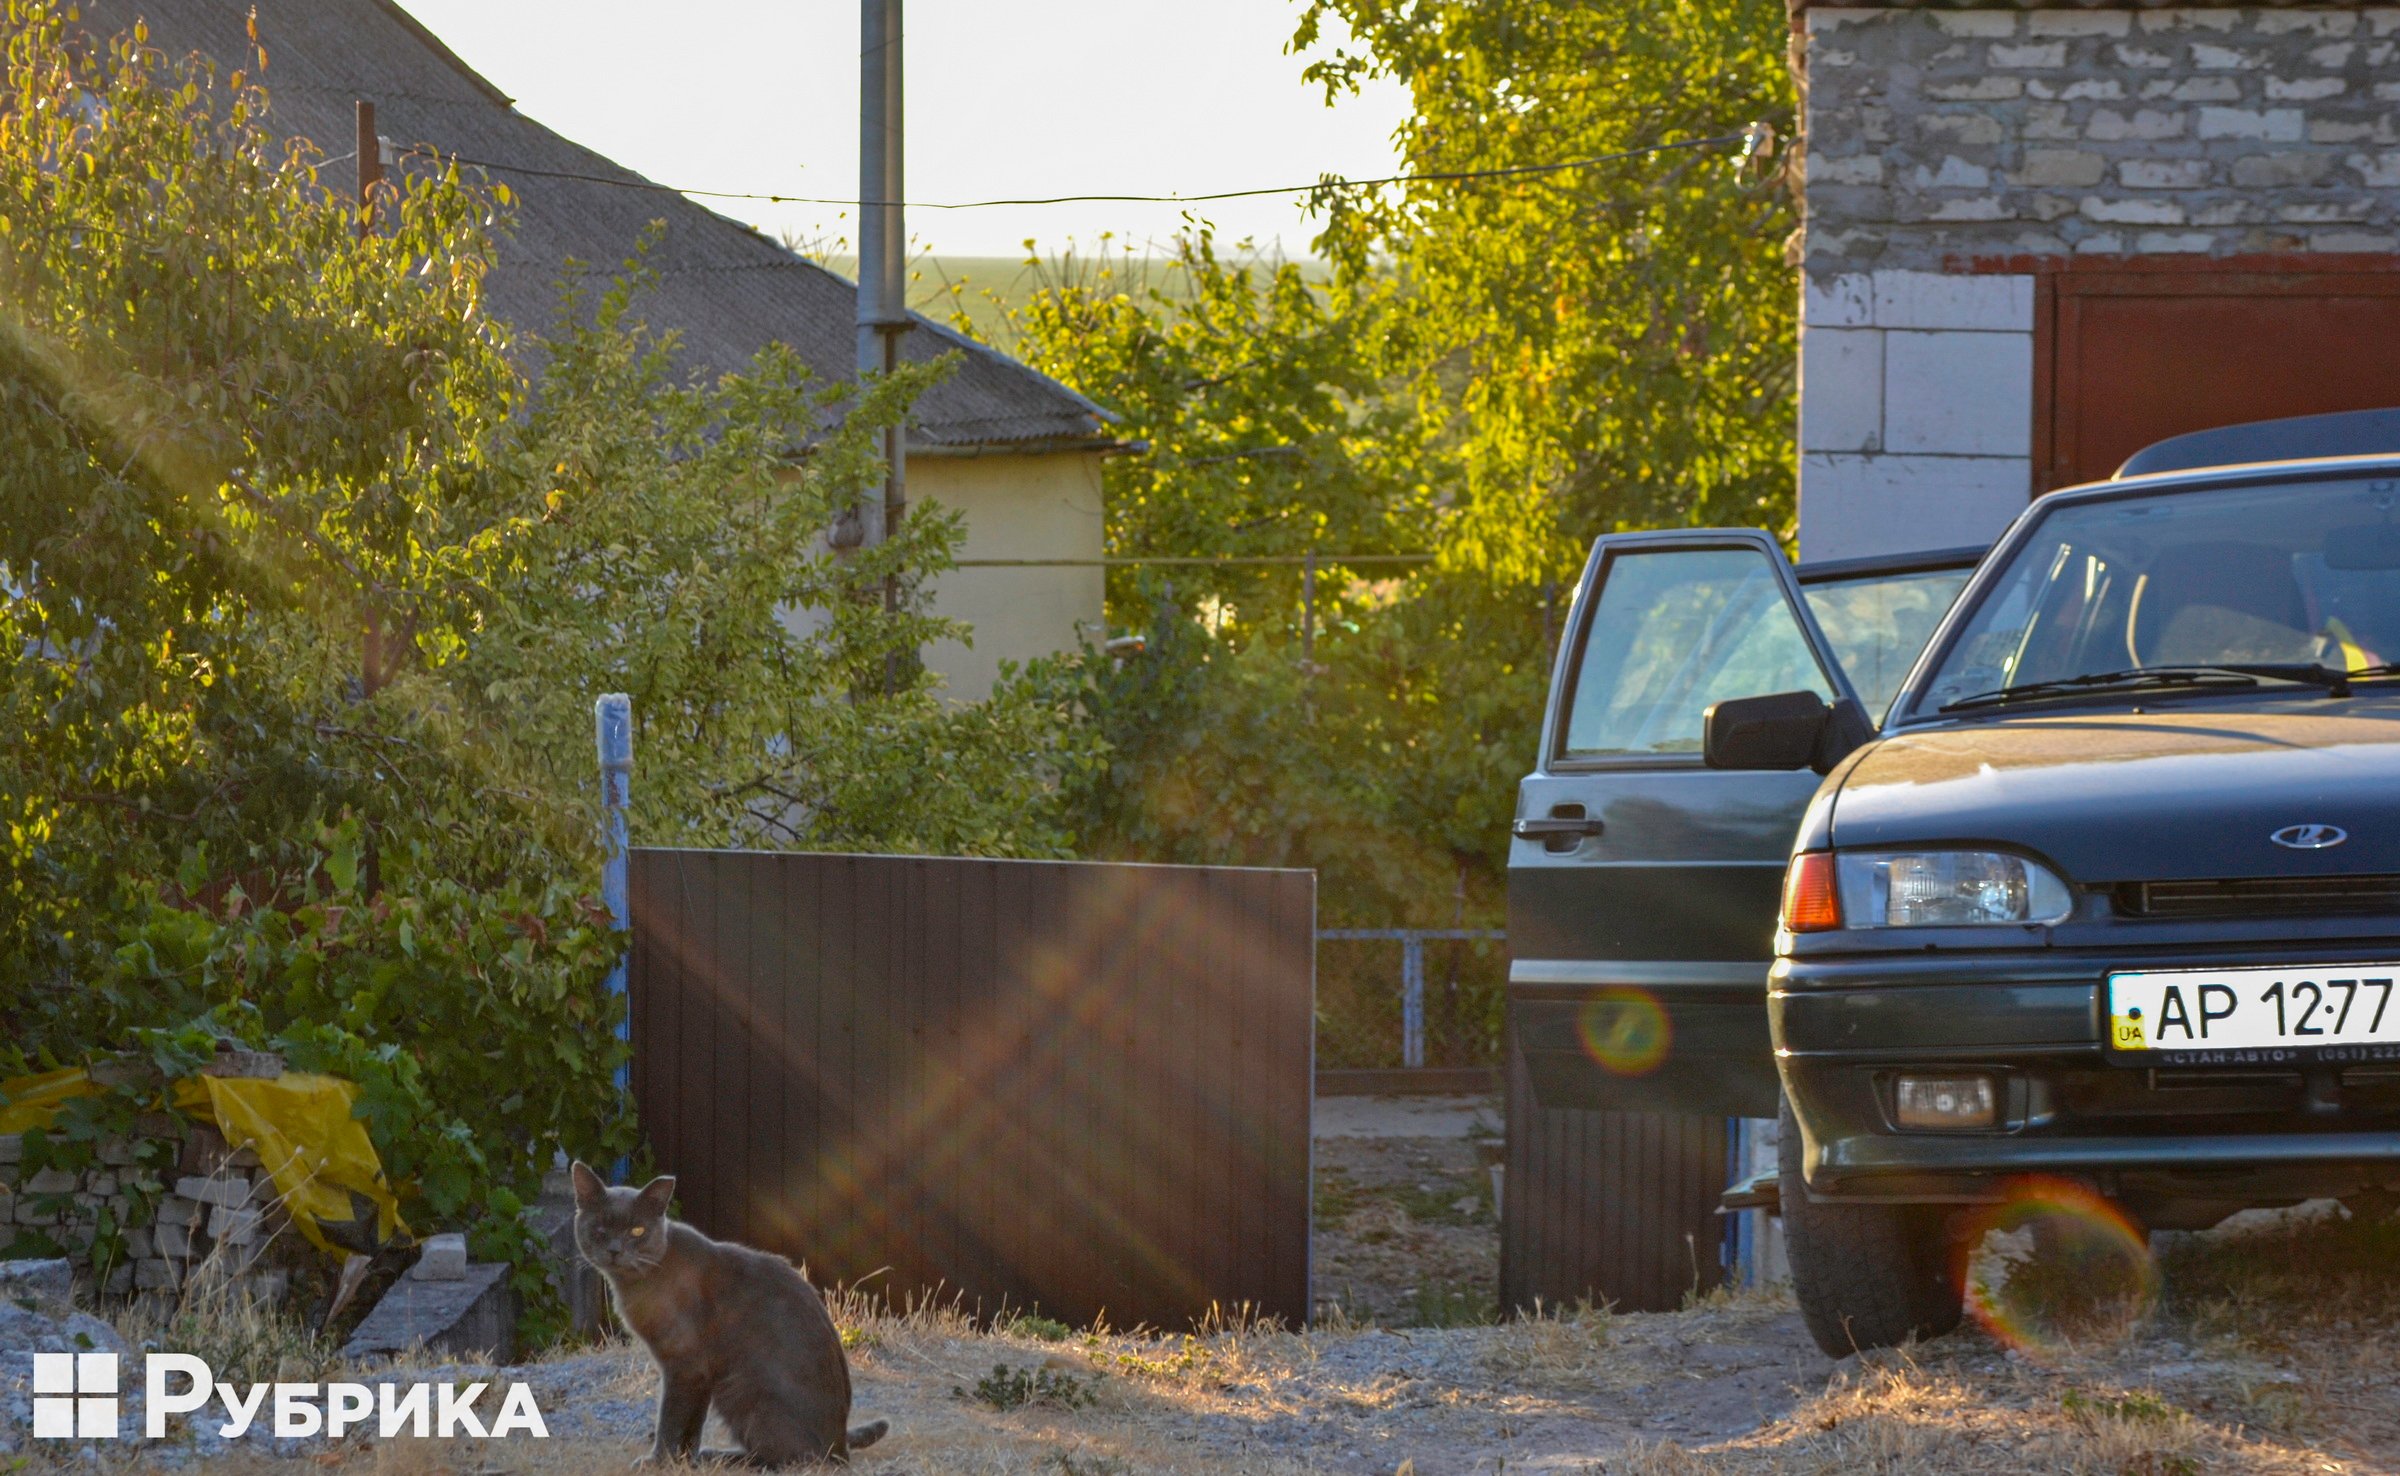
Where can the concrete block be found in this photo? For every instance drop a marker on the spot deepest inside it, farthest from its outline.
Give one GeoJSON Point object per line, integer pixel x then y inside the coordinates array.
{"type": "Point", "coordinates": [443, 1258]}
{"type": "Point", "coordinates": [1837, 299]}
{"type": "Point", "coordinates": [2333, 58]}
{"type": "Point", "coordinates": [2377, 171]}
{"type": "Point", "coordinates": [1841, 389]}
{"type": "Point", "coordinates": [2337, 130]}
{"type": "Point", "coordinates": [2142, 57]}
{"type": "Point", "coordinates": [1981, 207]}
{"type": "Point", "coordinates": [51, 1181]}
{"type": "Point", "coordinates": [12, 1147]}
{"type": "Point", "coordinates": [2327, 212]}
{"type": "Point", "coordinates": [2206, 89]}
{"type": "Point", "coordinates": [2087, 90]}
{"type": "Point", "coordinates": [233, 1226]}
{"type": "Point", "coordinates": [2306, 89]}
{"type": "Point", "coordinates": [102, 1184]}
{"type": "Point", "coordinates": [1964, 128]}
{"type": "Point", "coordinates": [1958, 394]}
{"type": "Point", "coordinates": [120, 1279]}
{"type": "Point", "coordinates": [2164, 174]}
{"type": "Point", "coordinates": [2282, 171]}
{"type": "Point", "coordinates": [46, 1284]}
{"type": "Point", "coordinates": [2057, 168]}
{"type": "Point", "coordinates": [1853, 506]}
{"type": "Point", "coordinates": [2047, 55]}
{"type": "Point", "coordinates": [172, 1240]}
{"type": "Point", "coordinates": [157, 1274]}
{"type": "Point", "coordinates": [1857, 169]}
{"type": "Point", "coordinates": [1994, 301]}
{"type": "Point", "coordinates": [2132, 212]}
{"type": "Point", "coordinates": [231, 1192]}
{"type": "Point", "coordinates": [2224, 58]}
{"type": "Point", "coordinates": [475, 1314]}
{"type": "Point", "coordinates": [1988, 24]}
{"type": "Point", "coordinates": [177, 1210]}
{"type": "Point", "coordinates": [2276, 125]}
{"type": "Point", "coordinates": [1954, 173]}
{"type": "Point", "coordinates": [2221, 20]}
{"type": "Point", "coordinates": [2172, 243]}
{"type": "Point", "coordinates": [140, 1244]}
{"type": "Point", "coordinates": [115, 1152]}
{"type": "Point", "coordinates": [2110, 126]}
{"type": "Point", "coordinates": [2304, 22]}
{"type": "Point", "coordinates": [2078, 23]}
{"type": "Point", "coordinates": [1982, 89]}
{"type": "Point", "coordinates": [2362, 243]}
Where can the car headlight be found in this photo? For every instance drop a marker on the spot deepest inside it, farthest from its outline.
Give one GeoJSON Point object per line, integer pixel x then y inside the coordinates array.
{"type": "Point", "coordinates": [1947, 889]}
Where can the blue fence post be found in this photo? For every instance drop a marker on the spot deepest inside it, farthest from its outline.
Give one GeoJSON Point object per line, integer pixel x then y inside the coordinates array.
{"type": "Point", "coordinates": [1412, 1000]}
{"type": "Point", "coordinates": [612, 718]}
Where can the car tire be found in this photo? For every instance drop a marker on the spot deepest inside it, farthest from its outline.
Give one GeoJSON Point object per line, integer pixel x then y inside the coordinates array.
{"type": "Point", "coordinates": [1865, 1275]}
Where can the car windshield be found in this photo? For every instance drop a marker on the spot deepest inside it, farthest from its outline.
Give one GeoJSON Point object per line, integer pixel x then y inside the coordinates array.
{"type": "Point", "coordinates": [2293, 574]}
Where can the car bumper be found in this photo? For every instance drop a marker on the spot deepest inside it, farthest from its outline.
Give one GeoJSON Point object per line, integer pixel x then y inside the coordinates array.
{"type": "Point", "coordinates": [2227, 1131]}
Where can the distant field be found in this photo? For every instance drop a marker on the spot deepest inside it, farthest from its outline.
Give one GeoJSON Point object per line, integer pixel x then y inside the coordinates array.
{"type": "Point", "coordinates": [985, 288]}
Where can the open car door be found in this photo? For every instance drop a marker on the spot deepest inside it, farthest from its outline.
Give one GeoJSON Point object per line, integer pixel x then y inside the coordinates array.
{"type": "Point", "coordinates": [1643, 885]}
{"type": "Point", "coordinates": [1643, 888]}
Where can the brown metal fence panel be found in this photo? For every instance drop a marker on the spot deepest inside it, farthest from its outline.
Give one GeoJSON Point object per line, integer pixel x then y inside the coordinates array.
{"type": "Point", "coordinates": [1073, 1088]}
{"type": "Point", "coordinates": [1617, 1209]}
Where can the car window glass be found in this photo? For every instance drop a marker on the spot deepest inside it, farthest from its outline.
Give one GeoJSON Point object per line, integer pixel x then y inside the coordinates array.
{"type": "Point", "coordinates": [1878, 624]}
{"type": "Point", "coordinates": [1674, 631]}
{"type": "Point", "coordinates": [2300, 572]}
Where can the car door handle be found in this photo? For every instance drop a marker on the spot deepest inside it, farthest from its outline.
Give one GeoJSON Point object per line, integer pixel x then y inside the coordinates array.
{"type": "Point", "coordinates": [1555, 825]}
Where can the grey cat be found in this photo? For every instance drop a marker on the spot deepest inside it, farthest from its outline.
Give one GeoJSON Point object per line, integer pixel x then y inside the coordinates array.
{"type": "Point", "coordinates": [727, 1325]}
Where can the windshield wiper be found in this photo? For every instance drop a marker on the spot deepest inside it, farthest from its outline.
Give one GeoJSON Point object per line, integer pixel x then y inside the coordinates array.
{"type": "Point", "coordinates": [2217, 674]}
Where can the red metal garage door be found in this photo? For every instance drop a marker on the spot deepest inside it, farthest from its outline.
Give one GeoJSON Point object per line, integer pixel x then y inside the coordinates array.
{"type": "Point", "coordinates": [2125, 357]}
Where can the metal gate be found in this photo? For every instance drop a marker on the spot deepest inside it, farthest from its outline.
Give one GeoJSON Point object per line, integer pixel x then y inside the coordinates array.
{"type": "Point", "coordinates": [1073, 1088]}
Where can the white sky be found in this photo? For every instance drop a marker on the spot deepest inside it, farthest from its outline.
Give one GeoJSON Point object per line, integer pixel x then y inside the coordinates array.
{"type": "Point", "coordinates": [1004, 98]}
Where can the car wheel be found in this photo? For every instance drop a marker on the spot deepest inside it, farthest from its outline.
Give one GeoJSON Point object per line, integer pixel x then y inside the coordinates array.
{"type": "Point", "coordinates": [1866, 1275]}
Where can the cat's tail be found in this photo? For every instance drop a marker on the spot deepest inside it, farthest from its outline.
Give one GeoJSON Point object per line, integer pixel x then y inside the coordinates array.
{"type": "Point", "coordinates": [862, 1436]}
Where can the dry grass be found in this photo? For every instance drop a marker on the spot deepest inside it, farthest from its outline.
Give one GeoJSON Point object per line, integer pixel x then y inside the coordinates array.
{"type": "Point", "coordinates": [2268, 1354]}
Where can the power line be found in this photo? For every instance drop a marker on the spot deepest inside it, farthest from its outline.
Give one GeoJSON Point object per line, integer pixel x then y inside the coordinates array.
{"type": "Point", "coordinates": [1749, 137]}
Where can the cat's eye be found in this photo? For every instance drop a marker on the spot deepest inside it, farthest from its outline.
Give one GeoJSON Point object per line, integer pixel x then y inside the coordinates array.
{"type": "Point", "coordinates": [639, 1231]}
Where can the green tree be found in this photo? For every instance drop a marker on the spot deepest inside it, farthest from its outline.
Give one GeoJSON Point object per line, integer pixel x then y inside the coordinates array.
{"type": "Point", "coordinates": [1610, 346]}
{"type": "Point", "coordinates": [306, 594]}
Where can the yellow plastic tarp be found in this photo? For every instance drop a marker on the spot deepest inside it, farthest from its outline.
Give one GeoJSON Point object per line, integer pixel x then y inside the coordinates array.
{"type": "Point", "coordinates": [301, 1128]}
{"type": "Point", "coordinates": [33, 1100]}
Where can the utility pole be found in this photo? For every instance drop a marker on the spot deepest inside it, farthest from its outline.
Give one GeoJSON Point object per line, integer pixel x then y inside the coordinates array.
{"type": "Point", "coordinates": [882, 239]}
{"type": "Point", "coordinates": [882, 264]}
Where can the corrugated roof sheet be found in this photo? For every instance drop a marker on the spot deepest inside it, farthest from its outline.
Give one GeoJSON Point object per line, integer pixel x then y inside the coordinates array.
{"type": "Point", "coordinates": [727, 288]}
{"type": "Point", "coordinates": [1799, 5]}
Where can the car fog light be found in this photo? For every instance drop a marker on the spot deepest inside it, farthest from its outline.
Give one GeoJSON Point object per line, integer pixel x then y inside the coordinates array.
{"type": "Point", "coordinates": [1939, 1102]}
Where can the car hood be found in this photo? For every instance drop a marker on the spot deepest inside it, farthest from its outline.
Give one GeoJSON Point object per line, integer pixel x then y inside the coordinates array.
{"type": "Point", "coordinates": [2192, 792]}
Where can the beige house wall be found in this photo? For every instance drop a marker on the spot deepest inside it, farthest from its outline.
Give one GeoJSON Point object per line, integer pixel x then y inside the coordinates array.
{"type": "Point", "coordinates": [1016, 507]}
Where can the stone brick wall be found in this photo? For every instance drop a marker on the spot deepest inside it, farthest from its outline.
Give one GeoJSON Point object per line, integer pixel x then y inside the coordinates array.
{"type": "Point", "coordinates": [1949, 152]}
{"type": "Point", "coordinates": [181, 1202]}
{"type": "Point", "coordinates": [1936, 137]}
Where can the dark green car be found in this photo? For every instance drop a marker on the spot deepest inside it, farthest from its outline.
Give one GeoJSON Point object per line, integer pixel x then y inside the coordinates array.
{"type": "Point", "coordinates": [2106, 887]}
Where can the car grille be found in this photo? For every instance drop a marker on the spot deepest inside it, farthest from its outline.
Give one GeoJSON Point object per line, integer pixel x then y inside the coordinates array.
{"type": "Point", "coordinates": [2253, 896]}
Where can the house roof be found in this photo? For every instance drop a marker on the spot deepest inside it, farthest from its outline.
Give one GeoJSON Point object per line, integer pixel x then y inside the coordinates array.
{"type": "Point", "coordinates": [728, 289]}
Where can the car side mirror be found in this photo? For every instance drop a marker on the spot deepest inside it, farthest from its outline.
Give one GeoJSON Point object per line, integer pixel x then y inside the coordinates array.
{"type": "Point", "coordinates": [1784, 730]}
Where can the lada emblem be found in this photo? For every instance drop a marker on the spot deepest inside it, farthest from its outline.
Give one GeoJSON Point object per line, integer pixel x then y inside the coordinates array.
{"type": "Point", "coordinates": [2310, 837]}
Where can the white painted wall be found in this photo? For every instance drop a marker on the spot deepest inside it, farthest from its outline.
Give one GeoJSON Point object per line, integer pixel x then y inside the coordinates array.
{"type": "Point", "coordinates": [1916, 409]}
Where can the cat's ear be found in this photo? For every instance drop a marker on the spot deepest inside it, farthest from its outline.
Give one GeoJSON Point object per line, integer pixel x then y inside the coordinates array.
{"type": "Point", "coordinates": [589, 1191]}
{"type": "Point", "coordinates": [657, 1194]}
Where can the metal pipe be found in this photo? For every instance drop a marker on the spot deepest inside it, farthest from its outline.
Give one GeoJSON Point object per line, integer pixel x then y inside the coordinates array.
{"type": "Point", "coordinates": [882, 241]}
{"type": "Point", "coordinates": [612, 722]}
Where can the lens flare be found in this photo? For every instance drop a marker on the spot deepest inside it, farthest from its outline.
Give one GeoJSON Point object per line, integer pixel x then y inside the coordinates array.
{"type": "Point", "coordinates": [1625, 1031]}
{"type": "Point", "coordinates": [2055, 1265]}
